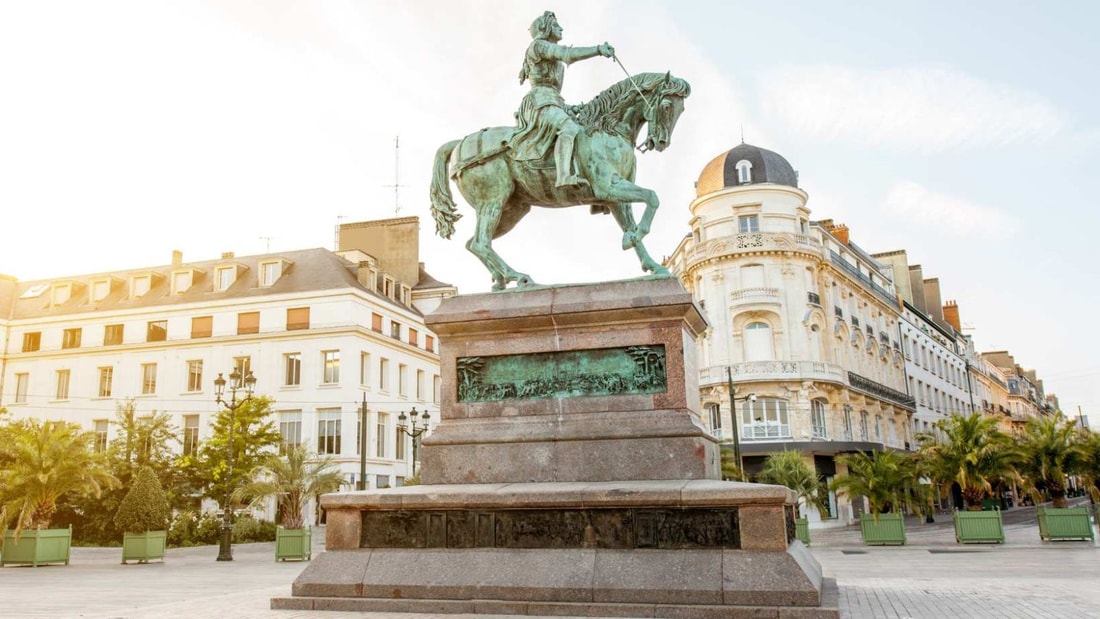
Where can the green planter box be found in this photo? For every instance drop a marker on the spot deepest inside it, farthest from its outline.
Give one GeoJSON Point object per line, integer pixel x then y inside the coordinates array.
{"type": "Point", "coordinates": [1064, 523]}
{"type": "Point", "coordinates": [889, 530]}
{"type": "Point", "coordinates": [984, 527]}
{"type": "Point", "coordinates": [293, 544]}
{"type": "Point", "coordinates": [144, 547]}
{"type": "Point", "coordinates": [37, 547]}
{"type": "Point", "coordinates": [802, 530]}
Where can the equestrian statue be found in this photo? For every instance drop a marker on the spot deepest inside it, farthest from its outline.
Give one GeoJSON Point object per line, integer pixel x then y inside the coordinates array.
{"type": "Point", "coordinates": [559, 155]}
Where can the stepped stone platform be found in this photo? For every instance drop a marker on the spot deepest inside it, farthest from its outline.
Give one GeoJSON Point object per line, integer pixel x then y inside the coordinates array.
{"type": "Point", "coordinates": [570, 474]}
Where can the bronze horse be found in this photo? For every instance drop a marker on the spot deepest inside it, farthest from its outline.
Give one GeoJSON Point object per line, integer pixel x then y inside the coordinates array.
{"type": "Point", "coordinates": [502, 191]}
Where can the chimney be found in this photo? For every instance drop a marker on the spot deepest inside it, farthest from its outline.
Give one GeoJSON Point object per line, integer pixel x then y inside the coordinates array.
{"type": "Point", "coordinates": [226, 255]}
{"type": "Point", "coordinates": [177, 258]}
{"type": "Point", "coordinates": [841, 233]}
{"type": "Point", "coordinates": [363, 274]}
{"type": "Point", "coordinates": [951, 315]}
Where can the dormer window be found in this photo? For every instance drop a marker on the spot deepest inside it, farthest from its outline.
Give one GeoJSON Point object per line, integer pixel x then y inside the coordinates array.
{"type": "Point", "coordinates": [224, 278]}
{"type": "Point", "coordinates": [140, 285]}
{"type": "Point", "coordinates": [744, 171]}
{"type": "Point", "coordinates": [100, 288]}
{"type": "Point", "coordinates": [271, 271]}
{"type": "Point", "coordinates": [182, 281]}
{"type": "Point", "coordinates": [406, 293]}
{"type": "Point", "coordinates": [60, 294]}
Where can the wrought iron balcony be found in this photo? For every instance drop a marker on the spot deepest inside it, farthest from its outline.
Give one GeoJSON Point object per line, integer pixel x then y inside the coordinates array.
{"type": "Point", "coordinates": [879, 390]}
{"type": "Point", "coordinates": [852, 271]}
{"type": "Point", "coordinates": [838, 312]}
{"type": "Point", "coordinates": [814, 298]}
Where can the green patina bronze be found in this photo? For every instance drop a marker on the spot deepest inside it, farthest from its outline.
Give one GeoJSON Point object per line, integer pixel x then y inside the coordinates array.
{"type": "Point", "coordinates": [504, 171]}
{"type": "Point", "coordinates": [604, 371]}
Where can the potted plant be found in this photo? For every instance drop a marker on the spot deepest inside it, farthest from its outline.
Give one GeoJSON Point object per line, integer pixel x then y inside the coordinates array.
{"type": "Point", "coordinates": [44, 461]}
{"type": "Point", "coordinates": [787, 468]}
{"type": "Point", "coordinates": [889, 482]}
{"type": "Point", "coordinates": [143, 518]}
{"type": "Point", "coordinates": [1049, 452]}
{"type": "Point", "coordinates": [292, 481]}
{"type": "Point", "coordinates": [969, 451]}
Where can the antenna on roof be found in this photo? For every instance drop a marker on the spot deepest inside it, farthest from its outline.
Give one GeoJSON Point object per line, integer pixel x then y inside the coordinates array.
{"type": "Point", "coordinates": [396, 175]}
{"type": "Point", "coordinates": [267, 243]}
{"type": "Point", "coordinates": [742, 133]}
{"type": "Point", "coordinates": [336, 240]}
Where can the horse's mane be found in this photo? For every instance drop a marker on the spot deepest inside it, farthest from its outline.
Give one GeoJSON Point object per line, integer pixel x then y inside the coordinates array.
{"type": "Point", "coordinates": [606, 108]}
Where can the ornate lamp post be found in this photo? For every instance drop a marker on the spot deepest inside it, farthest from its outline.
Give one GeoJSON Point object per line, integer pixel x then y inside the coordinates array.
{"type": "Point", "coordinates": [414, 432]}
{"type": "Point", "coordinates": [225, 543]}
{"type": "Point", "coordinates": [736, 420]}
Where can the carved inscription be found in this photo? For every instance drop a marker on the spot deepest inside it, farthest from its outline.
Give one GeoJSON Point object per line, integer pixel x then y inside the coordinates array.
{"type": "Point", "coordinates": [604, 371]}
{"type": "Point", "coordinates": [563, 528]}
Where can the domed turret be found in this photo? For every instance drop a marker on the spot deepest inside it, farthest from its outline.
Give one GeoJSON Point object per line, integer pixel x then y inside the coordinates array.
{"type": "Point", "coordinates": [745, 164]}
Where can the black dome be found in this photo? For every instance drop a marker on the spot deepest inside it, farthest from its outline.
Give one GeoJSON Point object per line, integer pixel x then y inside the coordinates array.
{"type": "Point", "coordinates": [767, 167]}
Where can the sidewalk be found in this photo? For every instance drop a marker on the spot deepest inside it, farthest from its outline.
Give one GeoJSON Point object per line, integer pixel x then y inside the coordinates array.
{"type": "Point", "coordinates": [932, 577]}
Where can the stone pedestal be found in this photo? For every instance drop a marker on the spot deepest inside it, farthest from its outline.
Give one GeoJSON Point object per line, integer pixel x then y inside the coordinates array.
{"type": "Point", "coordinates": [570, 474]}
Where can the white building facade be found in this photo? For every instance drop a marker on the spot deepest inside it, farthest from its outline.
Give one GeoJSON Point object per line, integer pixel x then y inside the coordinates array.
{"type": "Point", "coordinates": [935, 368]}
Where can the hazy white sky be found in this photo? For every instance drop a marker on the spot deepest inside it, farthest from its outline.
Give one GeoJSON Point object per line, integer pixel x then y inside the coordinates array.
{"type": "Point", "coordinates": [966, 133]}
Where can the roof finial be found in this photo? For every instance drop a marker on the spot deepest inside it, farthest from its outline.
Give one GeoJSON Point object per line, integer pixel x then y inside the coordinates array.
{"type": "Point", "coordinates": [742, 133]}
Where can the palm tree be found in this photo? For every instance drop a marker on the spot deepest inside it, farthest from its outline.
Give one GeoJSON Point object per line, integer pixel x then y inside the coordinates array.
{"type": "Point", "coordinates": [969, 451]}
{"type": "Point", "coordinates": [1048, 453]}
{"type": "Point", "coordinates": [1090, 475]}
{"type": "Point", "coordinates": [888, 480]}
{"type": "Point", "coordinates": [45, 461]}
{"type": "Point", "coordinates": [292, 481]}
{"type": "Point", "coordinates": [787, 468]}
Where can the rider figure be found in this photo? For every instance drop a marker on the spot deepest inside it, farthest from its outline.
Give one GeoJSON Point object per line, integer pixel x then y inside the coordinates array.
{"type": "Point", "coordinates": [542, 114]}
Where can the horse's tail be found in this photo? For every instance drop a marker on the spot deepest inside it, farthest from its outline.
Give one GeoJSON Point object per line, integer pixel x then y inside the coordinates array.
{"type": "Point", "coordinates": [443, 205]}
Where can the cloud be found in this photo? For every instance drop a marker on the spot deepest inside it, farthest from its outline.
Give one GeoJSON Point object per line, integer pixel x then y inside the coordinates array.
{"type": "Point", "coordinates": [925, 108]}
{"type": "Point", "coordinates": [949, 214]}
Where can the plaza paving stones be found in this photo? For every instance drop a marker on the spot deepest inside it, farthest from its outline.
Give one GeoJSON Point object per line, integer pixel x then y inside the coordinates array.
{"type": "Point", "coordinates": [931, 577]}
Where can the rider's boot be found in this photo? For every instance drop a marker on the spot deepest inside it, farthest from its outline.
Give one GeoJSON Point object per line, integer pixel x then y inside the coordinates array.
{"type": "Point", "coordinates": [563, 157]}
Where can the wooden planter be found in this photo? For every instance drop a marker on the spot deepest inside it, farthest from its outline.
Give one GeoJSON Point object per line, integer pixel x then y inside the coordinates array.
{"type": "Point", "coordinates": [889, 530]}
{"type": "Point", "coordinates": [37, 547]}
{"type": "Point", "coordinates": [1064, 523]}
{"type": "Point", "coordinates": [144, 547]}
{"type": "Point", "coordinates": [802, 530]}
{"type": "Point", "coordinates": [293, 544]}
{"type": "Point", "coordinates": [979, 527]}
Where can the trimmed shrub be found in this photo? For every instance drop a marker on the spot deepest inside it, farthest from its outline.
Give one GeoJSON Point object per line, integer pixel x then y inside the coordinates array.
{"type": "Point", "coordinates": [145, 506]}
{"type": "Point", "coordinates": [247, 529]}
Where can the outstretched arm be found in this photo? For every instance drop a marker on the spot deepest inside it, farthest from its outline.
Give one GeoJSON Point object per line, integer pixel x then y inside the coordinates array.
{"type": "Point", "coordinates": [570, 55]}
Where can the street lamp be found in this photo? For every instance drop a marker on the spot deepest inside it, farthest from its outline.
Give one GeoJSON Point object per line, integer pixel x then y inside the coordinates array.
{"type": "Point", "coordinates": [414, 432]}
{"type": "Point", "coordinates": [736, 421]}
{"type": "Point", "coordinates": [225, 543]}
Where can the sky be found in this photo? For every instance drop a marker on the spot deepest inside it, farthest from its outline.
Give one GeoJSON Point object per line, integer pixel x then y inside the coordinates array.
{"type": "Point", "coordinates": [965, 133]}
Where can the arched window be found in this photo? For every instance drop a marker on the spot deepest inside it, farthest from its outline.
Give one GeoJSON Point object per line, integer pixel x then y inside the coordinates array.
{"type": "Point", "coordinates": [758, 342]}
{"type": "Point", "coordinates": [744, 171]}
{"type": "Point", "coordinates": [765, 418]}
{"type": "Point", "coordinates": [817, 418]}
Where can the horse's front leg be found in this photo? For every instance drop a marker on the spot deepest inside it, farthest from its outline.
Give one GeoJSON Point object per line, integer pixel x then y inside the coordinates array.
{"type": "Point", "coordinates": [619, 190]}
{"type": "Point", "coordinates": [624, 216]}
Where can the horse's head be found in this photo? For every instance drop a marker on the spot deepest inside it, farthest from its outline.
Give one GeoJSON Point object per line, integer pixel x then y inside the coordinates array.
{"type": "Point", "coordinates": [665, 110]}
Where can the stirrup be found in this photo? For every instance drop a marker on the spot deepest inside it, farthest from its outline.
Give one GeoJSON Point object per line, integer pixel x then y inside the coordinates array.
{"type": "Point", "coordinates": [571, 180]}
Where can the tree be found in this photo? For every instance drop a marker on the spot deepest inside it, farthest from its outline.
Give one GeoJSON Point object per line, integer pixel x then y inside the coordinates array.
{"type": "Point", "coordinates": [292, 481]}
{"type": "Point", "coordinates": [254, 437]}
{"type": "Point", "coordinates": [1090, 475]}
{"type": "Point", "coordinates": [48, 460]}
{"type": "Point", "coordinates": [787, 468]}
{"type": "Point", "coordinates": [1048, 453]}
{"type": "Point", "coordinates": [145, 507]}
{"type": "Point", "coordinates": [970, 451]}
{"type": "Point", "coordinates": [888, 480]}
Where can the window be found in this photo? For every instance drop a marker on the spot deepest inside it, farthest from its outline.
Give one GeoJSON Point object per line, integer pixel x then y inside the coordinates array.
{"type": "Point", "coordinates": [223, 278]}
{"type": "Point", "coordinates": [140, 285]}
{"type": "Point", "coordinates": [292, 362]}
{"type": "Point", "coordinates": [380, 434]}
{"type": "Point", "coordinates": [190, 434]}
{"type": "Point", "coordinates": [383, 374]}
{"type": "Point", "coordinates": [817, 419]}
{"type": "Point", "coordinates": [381, 481]}
{"type": "Point", "coordinates": [331, 361]}
{"type": "Point", "coordinates": [290, 429]}
{"type": "Point", "coordinates": [248, 323]}
{"type": "Point", "coordinates": [62, 392]}
{"type": "Point", "coordinates": [878, 428]}
{"type": "Point", "coordinates": [100, 435]}
{"type": "Point", "coordinates": [429, 343]}
{"type": "Point", "coordinates": [112, 335]}
{"type": "Point", "coordinates": [399, 443]}
{"type": "Point", "coordinates": [202, 326]}
{"type": "Point", "coordinates": [328, 431]}
{"type": "Point", "coordinates": [864, 423]}
{"type": "Point", "coordinates": [414, 337]}
{"type": "Point", "coordinates": [376, 322]}
{"type": "Point", "coordinates": [60, 294]}
{"type": "Point", "coordinates": [297, 318]}
{"type": "Point", "coordinates": [758, 342]}
{"type": "Point", "coordinates": [387, 287]}
{"type": "Point", "coordinates": [437, 384]}
{"type": "Point", "coordinates": [32, 341]}
{"type": "Point", "coordinates": [765, 418]}
{"type": "Point", "coordinates": [364, 369]}
{"type": "Point", "coordinates": [420, 385]}
{"type": "Point", "coordinates": [748, 223]}
{"type": "Point", "coordinates": [156, 331]}
{"type": "Point", "coordinates": [269, 273]}
{"type": "Point", "coordinates": [242, 365]}
{"type": "Point", "coordinates": [847, 423]}
{"type": "Point", "coordinates": [70, 338]}
{"type": "Point", "coordinates": [181, 281]}
{"type": "Point", "coordinates": [148, 378]}
{"type": "Point", "coordinates": [744, 171]}
{"type": "Point", "coordinates": [100, 289]}
{"type": "Point", "coordinates": [402, 380]}
{"type": "Point", "coordinates": [194, 375]}
{"type": "Point", "coordinates": [22, 380]}
{"type": "Point", "coordinates": [395, 329]}
{"type": "Point", "coordinates": [106, 376]}
{"type": "Point", "coordinates": [715, 413]}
